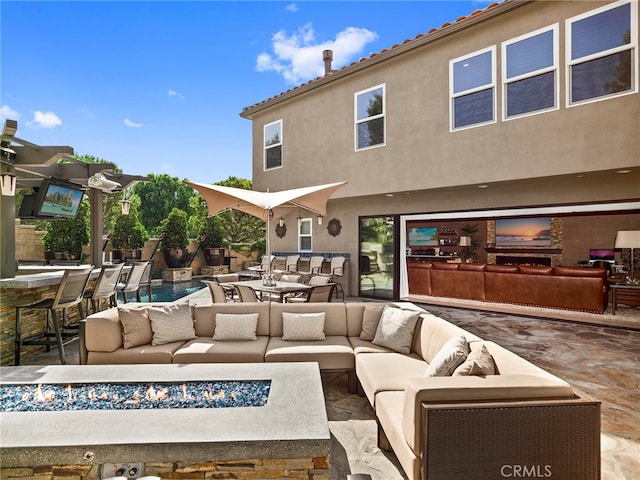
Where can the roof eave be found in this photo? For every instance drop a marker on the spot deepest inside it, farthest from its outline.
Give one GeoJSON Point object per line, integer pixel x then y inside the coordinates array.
{"type": "Point", "coordinates": [385, 55]}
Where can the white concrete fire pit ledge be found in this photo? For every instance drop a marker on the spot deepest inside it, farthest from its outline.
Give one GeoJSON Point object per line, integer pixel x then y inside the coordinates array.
{"type": "Point", "coordinates": [293, 424]}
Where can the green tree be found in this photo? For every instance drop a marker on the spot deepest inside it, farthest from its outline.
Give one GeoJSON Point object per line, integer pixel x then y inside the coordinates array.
{"type": "Point", "coordinates": [158, 197]}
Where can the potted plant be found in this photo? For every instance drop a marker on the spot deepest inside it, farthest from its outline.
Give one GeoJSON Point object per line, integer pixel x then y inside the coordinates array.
{"type": "Point", "coordinates": [175, 239]}
{"type": "Point", "coordinates": [65, 238]}
{"type": "Point", "coordinates": [211, 244]}
{"type": "Point", "coordinates": [129, 236]}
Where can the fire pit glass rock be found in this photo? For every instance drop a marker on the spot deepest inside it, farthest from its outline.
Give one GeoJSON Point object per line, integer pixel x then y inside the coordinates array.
{"type": "Point", "coordinates": [132, 396]}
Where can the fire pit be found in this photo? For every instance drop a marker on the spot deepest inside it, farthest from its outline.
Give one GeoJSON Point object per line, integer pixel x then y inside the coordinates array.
{"type": "Point", "coordinates": [132, 396]}
{"type": "Point", "coordinates": [289, 431]}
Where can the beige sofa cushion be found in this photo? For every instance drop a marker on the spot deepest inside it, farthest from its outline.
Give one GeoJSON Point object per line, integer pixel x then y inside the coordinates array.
{"type": "Point", "coordinates": [379, 372]}
{"type": "Point", "coordinates": [478, 362]}
{"type": "Point", "coordinates": [370, 320]}
{"type": "Point", "coordinates": [171, 323]}
{"type": "Point", "coordinates": [103, 331]}
{"type": "Point", "coordinates": [147, 354]}
{"type": "Point", "coordinates": [136, 325]}
{"type": "Point", "coordinates": [204, 316]}
{"type": "Point", "coordinates": [333, 353]}
{"type": "Point", "coordinates": [335, 322]}
{"type": "Point", "coordinates": [303, 326]}
{"type": "Point", "coordinates": [207, 350]}
{"type": "Point", "coordinates": [433, 332]}
{"type": "Point", "coordinates": [395, 329]}
{"type": "Point", "coordinates": [452, 354]}
{"type": "Point", "coordinates": [236, 327]}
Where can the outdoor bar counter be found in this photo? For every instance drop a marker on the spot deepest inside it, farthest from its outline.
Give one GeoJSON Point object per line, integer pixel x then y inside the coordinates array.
{"type": "Point", "coordinates": [26, 290]}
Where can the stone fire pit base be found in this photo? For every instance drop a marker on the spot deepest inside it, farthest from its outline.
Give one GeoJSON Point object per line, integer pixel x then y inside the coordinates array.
{"type": "Point", "coordinates": [288, 438]}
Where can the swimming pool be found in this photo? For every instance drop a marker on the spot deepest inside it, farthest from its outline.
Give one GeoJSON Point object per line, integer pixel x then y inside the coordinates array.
{"type": "Point", "coordinates": [170, 291]}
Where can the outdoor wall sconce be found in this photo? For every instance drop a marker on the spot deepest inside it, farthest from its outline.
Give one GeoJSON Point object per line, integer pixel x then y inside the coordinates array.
{"type": "Point", "coordinates": [320, 219]}
{"type": "Point", "coordinates": [281, 222]}
{"type": "Point", "coordinates": [8, 184]}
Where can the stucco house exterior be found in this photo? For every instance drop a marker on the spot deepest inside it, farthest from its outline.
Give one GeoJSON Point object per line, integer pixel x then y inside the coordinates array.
{"type": "Point", "coordinates": [524, 109]}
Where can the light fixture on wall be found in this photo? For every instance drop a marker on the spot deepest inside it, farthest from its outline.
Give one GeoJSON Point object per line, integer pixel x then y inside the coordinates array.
{"type": "Point", "coordinates": [299, 219]}
{"type": "Point", "coordinates": [8, 184]}
{"type": "Point", "coordinates": [320, 219]}
{"type": "Point", "coordinates": [629, 239]}
{"type": "Point", "coordinates": [281, 222]}
{"type": "Point", "coordinates": [126, 206]}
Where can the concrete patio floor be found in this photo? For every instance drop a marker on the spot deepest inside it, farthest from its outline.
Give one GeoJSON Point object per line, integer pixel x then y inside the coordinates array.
{"type": "Point", "coordinates": [601, 360]}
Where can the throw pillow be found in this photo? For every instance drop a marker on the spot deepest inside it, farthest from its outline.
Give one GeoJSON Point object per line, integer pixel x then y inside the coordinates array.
{"type": "Point", "coordinates": [370, 320]}
{"type": "Point", "coordinates": [395, 330]}
{"type": "Point", "coordinates": [171, 323]}
{"type": "Point", "coordinates": [479, 362]}
{"type": "Point", "coordinates": [452, 354]}
{"type": "Point", "coordinates": [303, 326]}
{"type": "Point", "coordinates": [235, 326]}
{"type": "Point", "coordinates": [136, 326]}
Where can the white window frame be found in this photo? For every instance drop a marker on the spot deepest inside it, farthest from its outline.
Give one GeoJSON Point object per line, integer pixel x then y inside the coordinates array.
{"type": "Point", "coordinates": [632, 45]}
{"type": "Point", "coordinates": [492, 85]}
{"type": "Point", "coordinates": [383, 115]}
{"type": "Point", "coordinates": [553, 68]}
{"type": "Point", "coordinates": [305, 235]}
{"type": "Point", "coordinates": [266, 147]}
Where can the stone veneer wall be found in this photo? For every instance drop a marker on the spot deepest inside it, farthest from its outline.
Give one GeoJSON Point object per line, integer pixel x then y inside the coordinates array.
{"type": "Point", "coordinates": [273, 468]}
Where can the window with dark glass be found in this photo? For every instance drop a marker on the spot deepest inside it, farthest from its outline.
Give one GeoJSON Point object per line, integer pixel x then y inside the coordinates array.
{"type": "Point", "coordinates": [472, 81]}
{"type": "Point", "coordinates": [602, 52]}
{"type": "Point", "coordinates": [529, 72]}
{"type": "Point", "coordinates": [370, 108]}
{"type": "Point", "coordinates": [304, 235]}
{"type": "Point", "coordinates": [273, 145]}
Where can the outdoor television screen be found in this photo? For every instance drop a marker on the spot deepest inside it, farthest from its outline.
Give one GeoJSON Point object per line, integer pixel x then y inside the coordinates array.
{"type": "Point", "coordinates": [530, 232]}
{"type": "Point", "coordinates": [58, 200]}
{"type": "Point", "coordinates": [419, 236]}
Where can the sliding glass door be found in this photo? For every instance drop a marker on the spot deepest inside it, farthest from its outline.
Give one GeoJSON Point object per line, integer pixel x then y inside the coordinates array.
{"type": "Point", "coordinates": [377, 266]}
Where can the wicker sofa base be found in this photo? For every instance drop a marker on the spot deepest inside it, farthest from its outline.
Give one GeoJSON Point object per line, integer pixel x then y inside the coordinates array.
{"type": "Point", "coordinates": [557, 439]}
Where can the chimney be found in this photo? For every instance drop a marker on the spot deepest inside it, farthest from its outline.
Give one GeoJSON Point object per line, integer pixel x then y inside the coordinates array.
{"type": "Point", "coordinates": [327, 57]}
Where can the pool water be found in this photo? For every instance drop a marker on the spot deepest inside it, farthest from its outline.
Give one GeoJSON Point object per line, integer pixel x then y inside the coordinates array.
{"type": "Point", "coordinates": [170, 291]}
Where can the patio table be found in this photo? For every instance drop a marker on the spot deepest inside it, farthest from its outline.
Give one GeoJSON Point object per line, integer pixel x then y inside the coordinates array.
{"type": "Point", "coordinates": [280, 288]}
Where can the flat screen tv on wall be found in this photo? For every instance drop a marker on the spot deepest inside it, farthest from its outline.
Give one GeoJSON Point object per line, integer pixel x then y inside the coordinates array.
{"type": "Point", "coordinates": [423, 236]}
{"type": "Point", "coordinates": [529, 232]}
{"type": "Point", "coordinates": [58, 200]}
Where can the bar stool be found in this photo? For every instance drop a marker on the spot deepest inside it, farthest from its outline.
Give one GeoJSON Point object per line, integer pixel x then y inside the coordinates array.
{"type": "Point", "coordinates": [105, 287]}
{"type": "Point", "coordinates": [133, 280]}
{"type": "Point", "coordinates": [70, 293]}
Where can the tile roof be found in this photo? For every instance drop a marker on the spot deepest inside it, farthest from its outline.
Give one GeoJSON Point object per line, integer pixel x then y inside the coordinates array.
{"type": "Point", "coordinates": [363, 60]}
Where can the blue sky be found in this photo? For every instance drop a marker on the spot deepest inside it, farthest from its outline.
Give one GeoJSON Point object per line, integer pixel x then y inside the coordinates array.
{"type": "Point", "coordinates": [157, 87]}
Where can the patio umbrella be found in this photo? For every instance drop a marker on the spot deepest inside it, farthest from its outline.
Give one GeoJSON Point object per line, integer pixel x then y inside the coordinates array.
{"type": "Point", "coordinates": [266, 204]}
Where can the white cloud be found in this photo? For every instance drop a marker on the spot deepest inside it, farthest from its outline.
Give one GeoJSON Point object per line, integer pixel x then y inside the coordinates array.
{"type": "Point", "coordinates": [173, 93]}
{"type": "Point", "coordinates": [130, 123]}
{"type": "Point", "coordinates": [7, 112]}
{"type": "Point", "coordinates": [298, 57]}
{"type": "Point", "coordinates": [292, 7]}
{"type": "Point", "coordinates": [45, 119]}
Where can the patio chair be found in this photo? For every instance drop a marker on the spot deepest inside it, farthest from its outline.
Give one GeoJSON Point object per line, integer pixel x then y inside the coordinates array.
{"type": "Point", "coordinates": [246, 293]}
{"type": "Point", "coordinates": [105, 287]}
{"type": "Point", "coordinates": [218, 294]}
{"type": "Point", "coordinates": [366, 270]}
{"type": "Point", "coordinates": [291, 277]}
{"type": "Point", "coordinates": [145, 282]}
{"type": "Point", "coordinates": [132, 284]}
{"type": "Point", "coordinates": [290, 264]}
{"type": "Point", "coordinates": [319, 293]}
{"type": "Point", "coordinates": [315, 266]}
{"type": "Point", "coordinates": [336, 269]}
{"type": "Point", "coordinates": [229, 290]}
{"type": "Point", "coordinates": [263, 266]}
{"type": "Point", "coordinates": [70, 293]}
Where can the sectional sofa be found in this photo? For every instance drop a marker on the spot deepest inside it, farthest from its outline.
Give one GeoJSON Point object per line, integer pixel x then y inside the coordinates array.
{"type": "Point", "coordinates": [449, 404]}
{"type": "Point", "coordinates": [563, 287]}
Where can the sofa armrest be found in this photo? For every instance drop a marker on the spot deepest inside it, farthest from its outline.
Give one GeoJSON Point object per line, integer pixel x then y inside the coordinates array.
{"type": "Point", "coordinates": [473, 389]}
{"type": "Point", "coordinates": [103, 331]}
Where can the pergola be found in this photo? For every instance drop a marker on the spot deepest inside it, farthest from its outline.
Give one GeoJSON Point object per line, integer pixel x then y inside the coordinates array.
{"type": "Point", "coordinates": [26, 165]}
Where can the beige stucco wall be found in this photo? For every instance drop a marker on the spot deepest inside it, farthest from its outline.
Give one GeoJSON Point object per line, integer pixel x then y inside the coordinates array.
{"type": "Point", "coordinates": [421, 152]}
